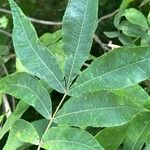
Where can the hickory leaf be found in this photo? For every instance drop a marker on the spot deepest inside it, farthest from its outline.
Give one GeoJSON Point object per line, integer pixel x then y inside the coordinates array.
{"type": "Point", "coordinates": [99, 109]}
{"type": "Point", "coordinates": [21, 135]}
{"type": "Point", "coordinates": [79, 24]}
{"type": "Point", "coordinates": [136, 17]}
{"type": "Point", "coordinates": [27, 88]}
{"type": "Point", "coordinates": [117, 69]}
{"type": "Point", "coordinates": [20, 109]}
{"type": "Point", "coordinates": [28, 47]}
{"type": "Point", "coordinates": [69, 139]}
{"type": "Point", "coordinates": [112, 138]}
{"type": "Point", "coordinates": [138, 132]}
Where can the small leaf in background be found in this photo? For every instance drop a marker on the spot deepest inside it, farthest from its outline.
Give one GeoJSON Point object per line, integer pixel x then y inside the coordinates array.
{"type": "Point", "coordinates": [3, 22]}
{"type": "Point", "coordinates": [120, 68]}
{"type": "Point", "coordinates": [20, 109]}
{"type": "Point", "coordinates": [138, 132]}
{"type": "Point", "coordinates": [69, 139]}
{"type": "Point", "coordinates": [28, 47]}
{"type": "Point", "coordinates": [131, 30]}
{"type": "Point", "coordinates": [53, 41]}
{"type": "Point", "coordinates": [112, 34]}
{"type": "Point", "coordinates": [99, 109]}
{"type": "Point", "coordinates": [146, 39]}
{"type": "Point", "coordinates": [4, 51]}
{"type": "Point", "coordinates": [79, 24]}
{"type": "Point", "coordinates": [144, 2]}
{"type": "Point", "coordinates": [20, 67]}
{"type": "Point", "coordinates": [122, 8]}
{"type": "Point", "coordinates": [148, 18]}
{"type": "Point", "coordinates": [50, 38]}
{"type": "Point", "coordinates": [125, 40]}
{"type": "Point", "coordinates": [136, 17]}
{"type": "Point", "coordinates": [29, 89]}
{"type": "Point", "coordinates": [112, 138]}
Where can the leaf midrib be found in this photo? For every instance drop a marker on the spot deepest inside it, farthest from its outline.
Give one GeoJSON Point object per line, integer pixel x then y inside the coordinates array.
{"type": "Point", "coordinates": [89, 110]}
{"type": "Point", "coordinates": [67, 141]}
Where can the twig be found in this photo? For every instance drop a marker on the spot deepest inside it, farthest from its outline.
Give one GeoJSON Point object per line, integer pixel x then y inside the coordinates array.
{"type": "Point", "coordinates": [6, 105]}
{"type": "Point", "coordinates": [51, 120]}
{"type": "Point", "coordinates": [113, 46]}
{"type": "Point", "coordinates": [103, 45]}
{"type": "Point", "coordinates": [5, 33]}
{"type": "Point", "coordinates": [45, 22]}
{"type": "Point", "coordinates": [108, 16]}
{"type": "Point", "coordinates": [6, 100]}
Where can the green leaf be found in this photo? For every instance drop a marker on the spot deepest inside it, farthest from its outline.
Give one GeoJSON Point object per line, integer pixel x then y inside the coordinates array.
{"type": "Point", "coordinates": [117, 69]}
{"type": "Point", "coordinates": [136, 17]}
{"type": "Point", "coordinates": [29, 89]}
{"type": "Point", "coordinates": [26, 132]}
{"type": "Point", "coordinates": [131, 30]}
{"type": "Point", "coordinates": [122, 8]}
{"type": "Point", "coordinates": [146, 39]}
{"type": "Point", "coordinates": [28, 48]}
{"type": "Point", "coordinates": [40, 126]}
{"type": "Point", "coordinates": [21, 134]}
{"type": "Point", "coordinates": [136, 94]}
{"type": "Point", "coordinates": [54, 43]}
{"type": "Point", "coordinates": [69, 139]}
{"type": "Point", "coordinates": [50, 38]}
{"type": "Point", "coordinates": [112, 34]}
{"type": "Point", "coordinates": [20, 109]}
{"type": "Point", "coordinates": [99, 109]}
{"type": "Point", "coordinates": [148, 18]}
{"type": "Point", "coordinates": [3, 22]}
{"type": "Point", "coordinates": [144, 2]}
{"type": "Point", "coordinates": [138, 132]}
{"type": "Point", "coordinates": [79, 24]}
{"type": "Point", "coordinates": [20, 67]}
{"type": "Point", "coordinates": [14, 142]}
{"type": "Point", "coordinates": [2, 117]}
{"type": "Point", "coordinates": [125, 40]}
{"type": "Point", "coordinates": [112, 138]}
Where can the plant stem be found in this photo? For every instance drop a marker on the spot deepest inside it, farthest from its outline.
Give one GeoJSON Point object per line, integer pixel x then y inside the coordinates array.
{"type": "Point", "coordinates": [51, 120]}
